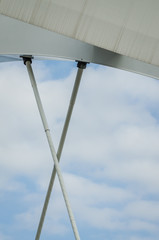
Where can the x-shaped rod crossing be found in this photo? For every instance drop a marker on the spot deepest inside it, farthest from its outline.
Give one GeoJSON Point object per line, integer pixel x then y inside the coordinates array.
{"type": "Point", "coordinates": [56, 157]}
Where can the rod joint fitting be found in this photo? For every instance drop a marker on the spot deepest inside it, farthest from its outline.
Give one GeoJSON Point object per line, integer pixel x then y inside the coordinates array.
{"type": "Point", "coordinates": [81, 64]}
{"type": "Point", "coordinates": [27, 58]}
{"type": "Point", "coordinates": [47, 130]}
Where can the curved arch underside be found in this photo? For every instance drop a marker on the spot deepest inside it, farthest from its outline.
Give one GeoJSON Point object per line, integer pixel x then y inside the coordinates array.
{"type": "Point", "coordinates": [117, 33]}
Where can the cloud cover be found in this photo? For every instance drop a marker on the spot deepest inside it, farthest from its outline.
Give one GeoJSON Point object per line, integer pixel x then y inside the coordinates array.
{"type": "Point", "coordinates": [110, 159]}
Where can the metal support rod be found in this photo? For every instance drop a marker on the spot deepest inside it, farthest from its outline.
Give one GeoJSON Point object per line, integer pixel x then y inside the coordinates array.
{"type": "Point", "coordinates": [27, 62]}
{"type": "Point", "coordinates": [81, 66]}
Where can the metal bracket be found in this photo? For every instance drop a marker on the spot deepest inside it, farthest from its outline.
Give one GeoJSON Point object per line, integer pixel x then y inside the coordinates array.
{"type": "Point", "coordinates": [27, 58]}
{"type": "Point", "coordinates": [81, 64]}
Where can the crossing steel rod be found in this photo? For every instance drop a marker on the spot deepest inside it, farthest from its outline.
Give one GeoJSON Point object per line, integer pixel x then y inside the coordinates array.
{"type": "Point", "coordinates": [81, 66]}
{"type": "Point", "coordinates": [27, 62]}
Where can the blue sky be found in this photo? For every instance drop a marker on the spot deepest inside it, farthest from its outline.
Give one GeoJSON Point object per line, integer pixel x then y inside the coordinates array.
{"type": "Point", "coordinates": [109, 162]}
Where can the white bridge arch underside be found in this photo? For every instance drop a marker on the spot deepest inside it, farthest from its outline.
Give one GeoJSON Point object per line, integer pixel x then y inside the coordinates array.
{"type": "Point", "coordinates": [20, 38]}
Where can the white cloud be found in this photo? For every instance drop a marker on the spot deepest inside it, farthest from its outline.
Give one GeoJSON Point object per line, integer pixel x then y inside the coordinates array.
{"type": "Point", "coordinates": [110, 158]}
{"type": "Point", "coordinates": [145, 210]}
{"type": "Point", "coordinates": [95, 193]}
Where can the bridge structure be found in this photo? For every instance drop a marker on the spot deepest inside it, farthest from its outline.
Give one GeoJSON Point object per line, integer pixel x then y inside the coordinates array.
{"type": "Point", "coordinates": [122, 34]}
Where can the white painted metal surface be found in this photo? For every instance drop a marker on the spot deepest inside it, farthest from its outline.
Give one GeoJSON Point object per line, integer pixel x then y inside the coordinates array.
{"type": "Point", "coordinates": [127, 27]}
{"type": "Point", "coordinates": [19, 38]}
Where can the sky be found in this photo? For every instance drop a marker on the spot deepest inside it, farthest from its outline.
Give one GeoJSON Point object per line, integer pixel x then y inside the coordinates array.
{"type": "Point", "coordinates": [110, 160]}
